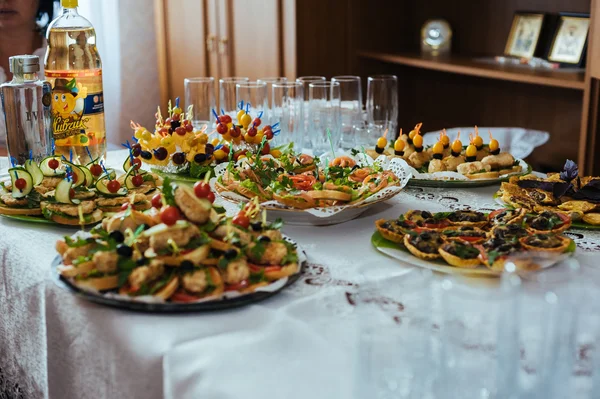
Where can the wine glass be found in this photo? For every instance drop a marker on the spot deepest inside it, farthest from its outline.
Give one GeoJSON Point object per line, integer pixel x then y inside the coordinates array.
{"type": "Point", "coordinates": [324, 116]}
{"type": "Point", "coordinates": [382, 103]}
{"type": "Point", "coordinates": [351, 107]}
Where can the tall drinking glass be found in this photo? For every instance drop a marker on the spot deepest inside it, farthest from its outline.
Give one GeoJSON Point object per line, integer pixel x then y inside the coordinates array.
{"type": "Point", "coordinates": [382, 103]}
{"type": "Point", "coordinates": [227, 95]}
{"type": "Point", "coordinates": [306, 80]}
{"type": "Point", "coordinates": [200, 93]}
{"type": "Point", "coordinates": [254, 97]}
{"type": "Point", "coordinates": [270, 82]}
{"type": "Point", "coordinates": [351, 105]}
{"type": "Point", "coordinates": [287, 110]}
{"type": "Point", "coordinates": [324, 116]}
{"type": "Point", "coordinates": [396, 337]}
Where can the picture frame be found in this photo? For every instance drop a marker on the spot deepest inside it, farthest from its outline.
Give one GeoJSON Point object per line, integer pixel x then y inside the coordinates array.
{"type": "Point", "coordinates": [569, 43]}
{"type": "Point", "coordinates": [525, 34]}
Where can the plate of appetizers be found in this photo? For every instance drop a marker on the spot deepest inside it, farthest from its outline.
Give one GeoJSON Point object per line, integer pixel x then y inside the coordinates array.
{"type": "Point", "coordinates": [186, 256]}
{"type": "Point", "coordinates": [565, 192]}
{"type": "Point", "coordinates": [57, 191]}
{"type": "Point", "coordinates": [448, 164]}
{"type": "Point", "coordinates": [473, 243]}
{"type": "Point", "coordinates": [184, 153]}
{"type": "Point", "coordinates": [305, 190]}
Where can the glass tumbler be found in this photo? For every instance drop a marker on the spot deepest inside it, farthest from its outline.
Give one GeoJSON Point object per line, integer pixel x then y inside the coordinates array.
{"type": "Point", "coordinates": [396, 336]}
{"type": "Point", "coordinates": [252, 95]}
{"type": "Point", "coordinates": [324, 109]}
{"type": "Point", "coordinates": [200, 93]}
{"type": "Point", "coordinates": [287, 110]}
{"type": "Point", "coordinates": [306, 80]}
{"type": "Point", "coordinates": [351, 106]}
{"type": "Point", "coordinates": [270, 82]}
{"type": "Point", "coordinates": [382, 103]}
{"type": "Point", "coordinates": [227, 95]}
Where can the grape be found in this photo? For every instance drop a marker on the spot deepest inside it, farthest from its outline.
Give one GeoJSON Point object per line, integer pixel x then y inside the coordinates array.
{"type": "Point", "coordinates": [199, 158]}
{"type": "Point", "coordinates": [178, 158]}
{"type": "Point", "coordinates": [161, 153]}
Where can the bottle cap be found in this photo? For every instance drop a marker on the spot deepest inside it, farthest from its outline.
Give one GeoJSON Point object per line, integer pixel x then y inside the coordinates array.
{"type": "Point", "coordinates": [21, 64]}
{"type": "Point", "coordinates": [69, 3]}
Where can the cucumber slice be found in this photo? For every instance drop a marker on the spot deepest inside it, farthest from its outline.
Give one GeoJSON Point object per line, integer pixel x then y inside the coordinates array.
{"type": "Point", "coordinates": [89, 178]}
{"type": "Point", "coordinates": [129, 178]}
{"type": "Point", "coordinates": [48, 171]}
{"type": "Point", "coordinates": [78, 173]}
{"type": "Point", "coordinates": [20, 173]}
{"type": "Point", "coordinates": [127, 164]}
{"type": "Point", "coordinates": [63, 193]}
{"type": "Point", "coordinates": [102, 187]}
{"type": "Point", "coordinates": [34, 170]}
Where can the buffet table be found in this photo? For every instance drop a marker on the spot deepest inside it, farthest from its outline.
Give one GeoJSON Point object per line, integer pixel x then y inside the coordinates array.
{"type": "Point", "coordinates": [298, 344]}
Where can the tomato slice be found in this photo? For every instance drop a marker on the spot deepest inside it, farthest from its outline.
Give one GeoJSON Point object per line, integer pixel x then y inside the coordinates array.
{"type": "Point", "coordinates": [470, 238]}
{"type": "Point", "coordinates": [236, 287]}
{"type": "Point", "coordinates": [181, 296]}
{"type": "Point", "coordinates": [256, 268]}
{"type": "Point", "coordinates": [439, 225]}
{"type": "Point", "coordinates": [492, 215]}
{"type": "Point", "coordinates": [565, 219]}
{"type": "Point", "coordinates": [272, 269]}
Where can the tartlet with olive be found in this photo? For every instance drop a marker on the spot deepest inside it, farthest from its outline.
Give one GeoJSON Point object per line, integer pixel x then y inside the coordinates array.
{"type": "Point", "coordinates": [460, 254]}
{"type": "Point", "coordinates": [547, 222]}
{"type": "Point", "coordinates": [507, 216]}
{"type": "Point", "coordinates": [467, 218]}
{"type": "Point", "coordinates": [470, 234]}
{"type": "Point", "coordinates": [394, 230]}
{"type": "Point", "coordinates": [424, 245]}
{"type": "Point", "coordinates": [545, 243]}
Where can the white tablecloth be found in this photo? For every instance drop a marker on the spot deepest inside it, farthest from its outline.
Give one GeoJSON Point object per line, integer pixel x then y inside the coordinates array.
{"type": "Point", "coordinates": [299, 344]}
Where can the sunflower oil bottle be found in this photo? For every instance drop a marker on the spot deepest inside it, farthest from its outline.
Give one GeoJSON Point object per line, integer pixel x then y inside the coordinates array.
{"type": "Point", "coordinates": [73, 67]}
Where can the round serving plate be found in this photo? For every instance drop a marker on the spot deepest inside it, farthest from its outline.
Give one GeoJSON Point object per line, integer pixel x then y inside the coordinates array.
{"type": "Point", "coordinates": [186, 179]}
{"type": "Point", "coordinates": [401, 254]}
{"type": "Point", "coordinates": [36, 219]}
{"type": "Point", "coordinates": [439, 183]}
{"type": "Point", "coordinates": [126, 303]}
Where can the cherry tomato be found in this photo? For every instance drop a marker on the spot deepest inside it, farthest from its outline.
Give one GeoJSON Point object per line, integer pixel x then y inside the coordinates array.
{"type": "Point", "coordinates": [269, 134]}
{"type": "Point", "coordinates": [181, 131]}
{"type": "Point", "coordinates": [168, 121]}
{"type": "Point", "coordinates": [235, 131]}
{"type": "Point", "coordinates": [238, 286]}
{"type": "Point", "coordinates": [169, 215]}
{"type": "Point", "coordinates": [256, 122]}
{"type": "Point", "coordinates": [125, 206]}
{"type": "Point", "coordinates": [267, 127]}
{"type": "Point", "coordinates": [95, 169]}
{"type": "Point", "coordinates": [266, 149]}
{"type": "Point", "coordinates": [241, 219]}
{"type": "Point", "coordinates": [222, 128]}
{"type": "Point", "coordinates": [181, 296]}
{"type": "Point", "coordinates": [157, 201]}
{"type": "Point", "coordinates": [53, 164]}
{"type": "Point", "coordinates": [163, 131]}
{"type": "Point", "coordinates": [201, 189]}
{"type": "Point", "coordinates": [74, 177]}
{"type": "Point", "coordinates": [113, 186]}
{"type": "Point", "coordinates": [71, 193]}
{"type": "Point", "coordinates": [211, 197]}
{"type": "Point", "coordinates": [136, 150]}
{"type": "Point", "coordinates": [175, 117]}
{"type": "Point", "coordinates": [252, 132]}
{"type": "Point", "coordinates": [137, 180]}
{"type": "Point", "coordinates": [137, 163]}
{"type": "Point", "coordinates": [225, 119]}
{"type": "Point", "coordinates": [225, 149]}
{"type": "Point", "coordinates": [189, 127]}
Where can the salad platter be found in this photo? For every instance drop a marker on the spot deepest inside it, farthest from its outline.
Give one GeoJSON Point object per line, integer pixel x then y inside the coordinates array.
{"type": "Point", "coordinates": [303, 190]}
{"type": "Point", "coordinates": [450, 165]}
{"type": "Point", "coordinates": [186, 256]}
{"type": "Point", "coordinates": [473, 243]}
{"type": "Point", "coordinates": [565, 192]}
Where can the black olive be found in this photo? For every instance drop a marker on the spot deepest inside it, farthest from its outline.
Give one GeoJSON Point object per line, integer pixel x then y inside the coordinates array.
{"type": "Point", "coordinates": [124, 250]}
{"type": "Point", "coordinates": [256, 226]}
{"type": "Point", "coordinates": [467, 228]}
{"type": "Point", "coordinates": [513, 227]}
{"type": "Point", "coordinates": [230, 254]}
{"type": "Point", "coordinates": [542, 236]}
{"type": "Point", "coordinates": [440, 240]}
{"type": "Point", "coordinates": [175, 124]}
{"type": "Point", "coordinates": [280, 170]}
{"type": "Point", "coordinates": [425, 236]}
{"type": "Point", "coordinates": [199, 158]}
{"type": "Point", "coordinates": [171, 130]}
{"type": "Point", "coordinates": [209, 148]}
{"type": "Point", "coordinates": [179, 158]}
{"type": "Point", "coordinates": [146, 155]}
{"type": "Point", "coordinates": [146, 227]}
{"type": "Point", "coordinates": [426, 215]}
{"type": "Point", "coordinates": [186, 265]}
{"type": "Point", "coordinates": [140, 261]}
{"type": "Point", "coordinates": [136, 150]}
{"type": "Point", "coordinates": [263, 239]}
{"type": "Point", "coordinates": [379, 150]}
{"type": "Point", "coordinates": [117, 236]}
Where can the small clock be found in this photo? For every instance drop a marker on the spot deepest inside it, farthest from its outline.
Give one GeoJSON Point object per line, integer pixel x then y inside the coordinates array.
{"type": "Point", "coordinates": [436, 36]}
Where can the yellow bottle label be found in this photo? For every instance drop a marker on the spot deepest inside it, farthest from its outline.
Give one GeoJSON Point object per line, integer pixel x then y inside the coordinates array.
{"type": "Point", "coordinates": [77, 107]}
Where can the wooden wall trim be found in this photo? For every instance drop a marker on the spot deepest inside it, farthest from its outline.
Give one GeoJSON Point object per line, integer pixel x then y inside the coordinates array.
{"type": "Point", "coordinates": [590, 94]}
{"type": "Point", "coordinates": [288, 45]}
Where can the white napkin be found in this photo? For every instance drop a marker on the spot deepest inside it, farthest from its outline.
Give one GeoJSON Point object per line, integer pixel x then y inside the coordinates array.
{"type": "Point", "coordinates": [282, 358]}
{"type": "Point", "coordinates": [517, 141]}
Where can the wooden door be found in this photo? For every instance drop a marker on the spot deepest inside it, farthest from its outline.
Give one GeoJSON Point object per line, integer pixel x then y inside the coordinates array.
{"type": "Point", "coordinates": [256, 38]}
{"type": "Point", "coordinates": [184, 44]}
{"type": "Point", "coordinates": [212, 39]}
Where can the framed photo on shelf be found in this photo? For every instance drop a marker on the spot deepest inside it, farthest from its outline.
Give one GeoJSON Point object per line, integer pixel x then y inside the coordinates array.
{"type": "Point", "coordinates": [524, 35]}
{"type": "Point", "coordinates": [569, 44]}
